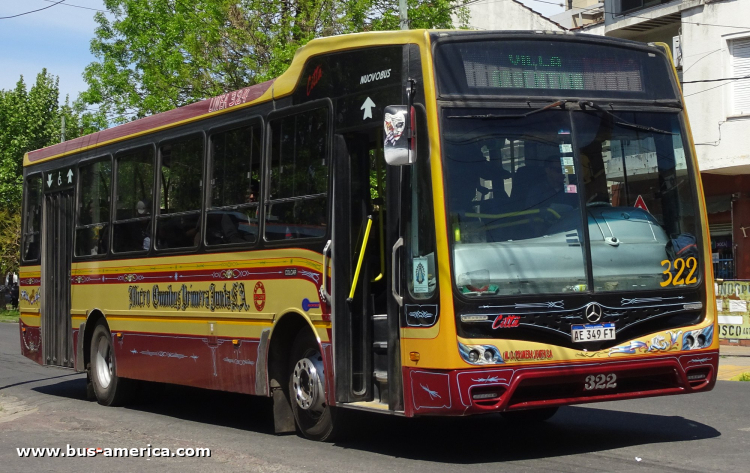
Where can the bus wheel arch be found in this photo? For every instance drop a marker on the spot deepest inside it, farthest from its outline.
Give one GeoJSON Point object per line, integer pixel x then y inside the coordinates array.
{"type": "Point", "coordinates": [283, 334]}
{"type": "Point", "coordinates": [289, 328]}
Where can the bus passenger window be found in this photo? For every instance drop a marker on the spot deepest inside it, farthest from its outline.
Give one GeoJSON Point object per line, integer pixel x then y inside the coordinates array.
{"type": "Point", "coordinates": [235, 186]}
{"type": "Point", "coordinates": [32, 218]}
{"type": "Point", "coordinates": [131, 228]}
{"type": "Point", "coordinates": [92, 226]}
{"type": "Point", "coordinates": [297, 205]}
{"type": "Point", "coordinates": [181, 179]}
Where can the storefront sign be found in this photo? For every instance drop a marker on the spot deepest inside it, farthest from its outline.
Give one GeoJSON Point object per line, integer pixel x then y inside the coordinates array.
{"type": "Point", "coordinates": [732, 306]}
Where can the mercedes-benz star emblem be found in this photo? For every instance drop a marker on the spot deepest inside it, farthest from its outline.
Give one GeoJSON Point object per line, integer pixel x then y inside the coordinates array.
{"type": "Point", "coordinates": [593, 312]}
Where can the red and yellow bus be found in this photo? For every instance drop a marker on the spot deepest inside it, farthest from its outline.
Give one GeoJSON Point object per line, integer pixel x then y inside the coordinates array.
{"type": "Point", "coordinates": [413, 222]}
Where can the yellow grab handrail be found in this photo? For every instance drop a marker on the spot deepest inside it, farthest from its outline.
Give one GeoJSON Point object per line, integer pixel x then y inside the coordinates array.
{"type": "Point", "coordinates": [361, 257]}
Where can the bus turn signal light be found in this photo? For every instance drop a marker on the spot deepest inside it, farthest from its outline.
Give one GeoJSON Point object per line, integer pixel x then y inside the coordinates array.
{"type": "Point", "coordinates": [414, 356]}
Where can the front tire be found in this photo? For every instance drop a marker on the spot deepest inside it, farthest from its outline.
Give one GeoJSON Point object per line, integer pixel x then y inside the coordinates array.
{"type": "Point", "coordinates": [109, 389]}
{"type": "Point", "coordinates": [314, 416]}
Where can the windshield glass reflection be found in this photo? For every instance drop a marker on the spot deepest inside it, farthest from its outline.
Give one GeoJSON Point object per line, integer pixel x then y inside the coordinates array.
{"type": "Point", "coordinates": [518, 189]}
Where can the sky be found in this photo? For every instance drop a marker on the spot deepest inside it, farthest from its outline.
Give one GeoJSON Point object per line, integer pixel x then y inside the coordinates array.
{"type": "Point", "coordinates": [58, 38]}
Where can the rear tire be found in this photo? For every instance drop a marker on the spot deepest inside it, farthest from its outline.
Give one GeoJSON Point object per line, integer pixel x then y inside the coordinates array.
{"type": "Point", "coordinates": [109, 389]}
{"type": "Point", "coordinates": [315, 418]}
{"type": "Point", "coordinates": [531, 415]}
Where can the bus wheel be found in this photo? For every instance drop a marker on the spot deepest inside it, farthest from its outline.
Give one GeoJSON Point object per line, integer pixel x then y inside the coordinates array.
{"type": "Point", "coordinates": [109, 389]}
{"type": "Point", "coordinates": [315, 418]}
{"type": "Point", "coordinates": [531, 415]}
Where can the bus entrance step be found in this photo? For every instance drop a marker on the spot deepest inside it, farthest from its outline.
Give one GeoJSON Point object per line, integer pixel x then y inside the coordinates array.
{"type": "Point", "coordinates": [380, 376]}
{"type": "Point", "coordinates": [368, 406]}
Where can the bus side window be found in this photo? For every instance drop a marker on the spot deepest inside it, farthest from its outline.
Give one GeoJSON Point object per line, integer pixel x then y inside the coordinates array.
{"type": "Point", "coordinates": [32, 218]}
{"type": "Point", "coordinates": [298, 188]}
{"type": "Point", "coordinates": [235, 186]}
{"type": "Point", "coordinates": [133, 197]}
{"type": "Point", "coordinates": [92, 225]}
{"type": "Point", "coordinates": [420, 228]}
{"type": "Point", "coordinates": [180, 193]}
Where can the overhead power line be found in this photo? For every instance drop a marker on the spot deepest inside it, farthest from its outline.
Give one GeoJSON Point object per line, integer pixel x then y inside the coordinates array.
{"type": "Point", "coordinates": [631, 15]}
{"type": "Point", "coordinates": [716, 80]}
{"type": "Point", "coordinates": [32, 11]}
{"type": "Point", "coordinates": [712, 88]}
{"type": "Point", "coordinates": [79, 6]}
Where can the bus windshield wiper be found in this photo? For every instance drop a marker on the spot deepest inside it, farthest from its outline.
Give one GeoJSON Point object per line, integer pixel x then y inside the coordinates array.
{"type": "Point", "coordinates": [490, 116]}
{"type": "Point", "coordinates": [620, 122]}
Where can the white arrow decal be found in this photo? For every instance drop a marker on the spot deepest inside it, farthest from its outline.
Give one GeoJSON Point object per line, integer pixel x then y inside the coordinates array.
{"type": "Point", "coordinates": [367, 107]}
{"type": "Point", "coordinates": [70, 176]}
{"type": "Point", "coordinates": [49, 180]}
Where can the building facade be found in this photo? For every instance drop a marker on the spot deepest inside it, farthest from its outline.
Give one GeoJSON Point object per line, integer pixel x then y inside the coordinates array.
{"type": "Point", "coordinates": [507, 15]}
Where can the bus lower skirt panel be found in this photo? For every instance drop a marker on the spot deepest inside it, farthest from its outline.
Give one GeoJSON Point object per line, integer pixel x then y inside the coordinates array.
{"type": "Point", "coordinates": [498, 389]}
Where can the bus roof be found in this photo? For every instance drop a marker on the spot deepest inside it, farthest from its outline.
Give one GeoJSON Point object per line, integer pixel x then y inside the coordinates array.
{"type": "Point", "coordinates": [270, 90]}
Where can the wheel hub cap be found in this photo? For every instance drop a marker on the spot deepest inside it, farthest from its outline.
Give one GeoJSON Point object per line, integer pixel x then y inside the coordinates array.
{"type": "Point", "coordinates": [307, 383]}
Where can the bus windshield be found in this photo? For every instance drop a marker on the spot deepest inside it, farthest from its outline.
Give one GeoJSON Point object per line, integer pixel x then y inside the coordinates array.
{"type": "Point", "coordinates": [560, 201]}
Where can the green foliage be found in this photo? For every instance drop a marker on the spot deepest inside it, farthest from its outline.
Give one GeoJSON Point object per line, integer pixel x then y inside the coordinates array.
{"type": "Point", "coordinates": [744, 377]}
{"type": "Point", "coordinates": [30, 119]}
{"type": "Point", "coordinates": [8, 316]}
{"type": "Point", "coordinates": [10, 240]}
{"type": "Point", "coordinates": [155, 55]}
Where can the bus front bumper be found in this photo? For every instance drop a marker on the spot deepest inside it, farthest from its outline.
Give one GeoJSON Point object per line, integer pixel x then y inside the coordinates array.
{"type": "Point", "coordinates": [518, 387]}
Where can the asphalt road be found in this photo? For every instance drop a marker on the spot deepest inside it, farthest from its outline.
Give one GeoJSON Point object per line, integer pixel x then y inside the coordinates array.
{"type": "Point", "coordinates": [46, 407]}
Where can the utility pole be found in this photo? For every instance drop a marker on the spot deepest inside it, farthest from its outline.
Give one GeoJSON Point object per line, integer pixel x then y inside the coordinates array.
{"type": "Point", "coordinates": [62, 129]}
{"type": "Point", "coordinates": [403, 16]}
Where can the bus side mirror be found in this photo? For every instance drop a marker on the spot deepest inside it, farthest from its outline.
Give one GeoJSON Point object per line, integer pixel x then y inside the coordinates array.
{"type": "Point", "coordinates": [400, 139]}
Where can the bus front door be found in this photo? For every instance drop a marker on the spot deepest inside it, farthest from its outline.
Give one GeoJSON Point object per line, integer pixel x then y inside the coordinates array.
{"type": "Point", "coordinates": [57, 251]}
{"type": "Point", "coordinates": [360, 261]}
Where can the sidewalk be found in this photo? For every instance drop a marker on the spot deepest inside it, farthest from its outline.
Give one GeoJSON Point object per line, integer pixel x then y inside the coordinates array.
{"type": "Point", "coordinates": [733, 362]}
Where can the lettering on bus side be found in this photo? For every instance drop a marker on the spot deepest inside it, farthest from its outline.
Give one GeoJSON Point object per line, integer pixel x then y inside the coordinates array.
{"type": "Point", "coordinates": [375, 76]}
{"type": "Point", "coordinates": [506, 321]}
{"type": "Point", "coordinates": [350, 74]}
{"type": "Point", "coordinates": [232, 298]}
{"type": "Point", "coordinates": [527, 355]}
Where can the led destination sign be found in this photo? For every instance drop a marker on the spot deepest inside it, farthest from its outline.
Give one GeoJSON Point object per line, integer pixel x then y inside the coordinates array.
{"type": "Point", "coordinates": [532, 67]}
{"type": "Point", "coordinates": [528, 71]}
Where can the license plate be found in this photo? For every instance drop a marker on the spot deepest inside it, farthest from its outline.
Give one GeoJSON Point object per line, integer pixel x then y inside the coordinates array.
{"type": "Point", "coordinates": [593, 332]}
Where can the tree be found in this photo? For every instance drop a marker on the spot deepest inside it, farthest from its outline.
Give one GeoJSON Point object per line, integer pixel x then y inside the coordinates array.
{"type": "Point", "coordinates": [29, 120]}
{"type": "Point", "coordinates": [10, 241]}
{"type": "Point", "coordinates": [155, 55]}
